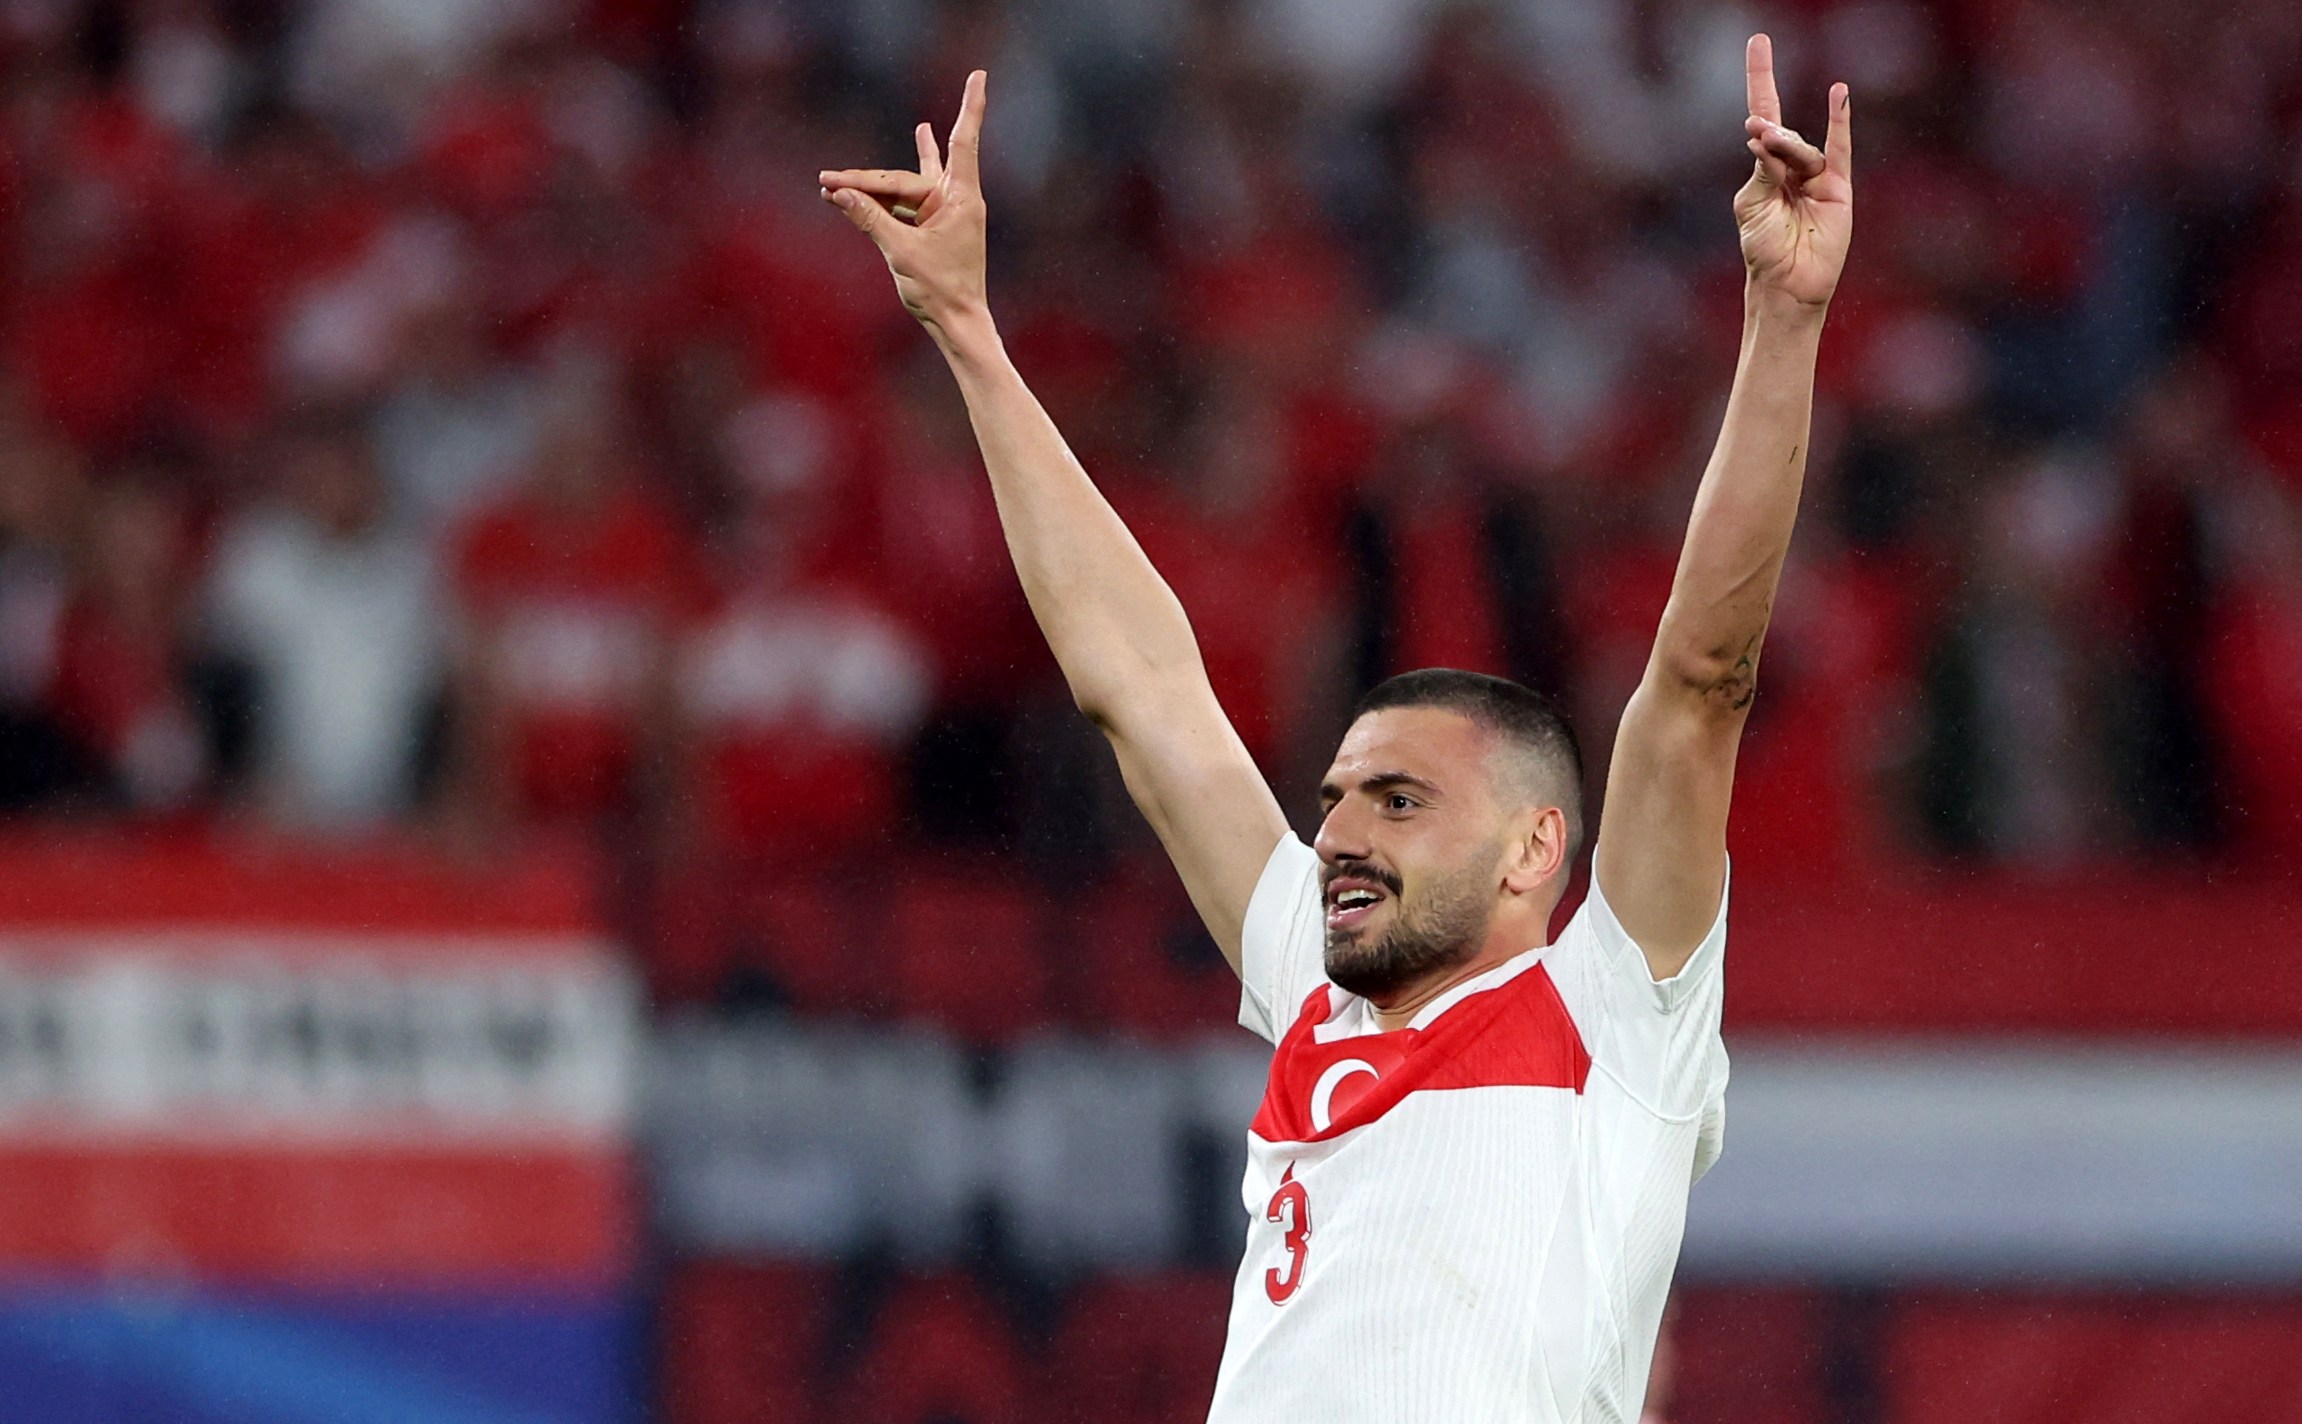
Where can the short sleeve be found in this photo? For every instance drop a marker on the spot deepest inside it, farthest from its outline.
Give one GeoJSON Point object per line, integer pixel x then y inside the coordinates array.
{"type": "Point", "coordinates": [1658, 1038]}
{"type": "Point", "coordinates": [1282, 945]}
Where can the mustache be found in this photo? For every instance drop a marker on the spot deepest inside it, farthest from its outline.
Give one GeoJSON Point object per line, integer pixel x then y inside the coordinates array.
{"type": "Point", "coordinates": [1363, 871]}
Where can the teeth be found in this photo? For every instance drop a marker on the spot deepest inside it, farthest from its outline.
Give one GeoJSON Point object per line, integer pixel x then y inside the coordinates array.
{"type": "Point", "coordinates": [1353, 899]}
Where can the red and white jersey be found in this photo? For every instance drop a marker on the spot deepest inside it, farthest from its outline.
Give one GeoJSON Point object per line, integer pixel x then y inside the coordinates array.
{"type": "Point", "coordinates": [1473, 1218]}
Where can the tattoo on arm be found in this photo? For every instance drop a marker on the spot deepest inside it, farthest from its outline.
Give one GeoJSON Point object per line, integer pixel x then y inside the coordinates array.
{"type": "Point", "coordinates": [1739, 685]}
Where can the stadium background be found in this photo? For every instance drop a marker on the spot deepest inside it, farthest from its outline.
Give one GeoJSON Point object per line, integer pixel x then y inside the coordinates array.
{"type": "Point", "coordinates": [546, 875]}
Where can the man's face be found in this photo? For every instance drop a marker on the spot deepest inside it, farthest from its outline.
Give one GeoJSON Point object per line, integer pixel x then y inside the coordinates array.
{"type": "Point", "coordinates": [1411, 848]}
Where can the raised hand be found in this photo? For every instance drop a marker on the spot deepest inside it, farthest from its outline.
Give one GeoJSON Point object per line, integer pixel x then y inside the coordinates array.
{"type": "Point", "coordinates": [1796, 213]}
{"type": "Point", "coordinates": [928, 224]}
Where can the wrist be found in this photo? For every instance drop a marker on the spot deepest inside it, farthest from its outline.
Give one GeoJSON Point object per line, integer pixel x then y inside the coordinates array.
{"type": "Point", "coordinates": [1774, 309]}
{"type": "Point", "coordinates": [965, 334]}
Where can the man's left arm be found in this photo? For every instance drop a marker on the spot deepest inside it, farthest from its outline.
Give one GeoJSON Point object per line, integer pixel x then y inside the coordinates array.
{"type": "Point", "coordinates": [1661, 857]}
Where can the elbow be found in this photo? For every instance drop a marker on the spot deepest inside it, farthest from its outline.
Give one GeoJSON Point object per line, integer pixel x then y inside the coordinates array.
{"type": "Point", "coordinates": [1094, 703]}
{"type": "Point", "coordinates": [1098, 713]}
{"type": "Point", "coordinates": [1110, 702]}
{"type": "Point", "coordinates": [1126, 683]}
{"type": "Point", "coordinates": [1101, 687]}
{"type": "Point", "coordinates": [1720, 679]}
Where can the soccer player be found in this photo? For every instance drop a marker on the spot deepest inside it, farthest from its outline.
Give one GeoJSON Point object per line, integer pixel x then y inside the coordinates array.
{"type": "Point", "coordinates": [1468, 1179]}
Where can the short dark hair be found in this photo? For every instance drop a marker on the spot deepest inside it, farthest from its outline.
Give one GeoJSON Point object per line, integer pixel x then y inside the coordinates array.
{"type": "Point", "coordinates": [1529, 724]}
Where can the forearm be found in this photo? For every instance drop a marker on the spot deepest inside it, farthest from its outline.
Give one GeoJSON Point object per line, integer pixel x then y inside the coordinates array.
{"type": "Point", "coordinates": [1740, 529]}
{"type": "Point", "coordinates": [1116, 628]}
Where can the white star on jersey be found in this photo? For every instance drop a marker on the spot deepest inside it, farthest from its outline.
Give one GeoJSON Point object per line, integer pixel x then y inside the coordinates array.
{"type": "Point", "coordinates": [1474, 1218]}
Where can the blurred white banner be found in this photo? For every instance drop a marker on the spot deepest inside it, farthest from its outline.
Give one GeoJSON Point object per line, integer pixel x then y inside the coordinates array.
{"type": "Point", "coordinates": [1990, 1159]}
{"type": "Point", "coordinates": [220, 1036]}
{"type": "Point", "coordinates": [1864, 1161]}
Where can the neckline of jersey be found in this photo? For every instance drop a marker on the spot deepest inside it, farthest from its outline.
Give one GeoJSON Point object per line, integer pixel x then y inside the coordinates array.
{"type": "Point", "coordinates": [1354, 1018]}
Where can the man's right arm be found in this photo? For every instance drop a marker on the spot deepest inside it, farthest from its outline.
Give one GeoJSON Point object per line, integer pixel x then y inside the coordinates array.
{"type": "Point", "coordinates": [1116, 628]}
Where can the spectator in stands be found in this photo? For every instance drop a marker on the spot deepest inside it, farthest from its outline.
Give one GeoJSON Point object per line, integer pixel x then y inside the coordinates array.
{"type": "Point", "coordinates": [184, 68]}
{"type": "Point", "coordinates": [89, 329]}
{"type": "Point", "coordinates": [454, 423]}
{"type": "Point", "coordinates": [958, 595]}
{"type": "Point", "coordinates": [799, 693]}
{"type": "Point", "coordinates": [934, 516]}
{"type": "Point", "coordinates": [41, 491]}
{"type": "Point", "coordinates": [374, 65]}
{"type": "Point", "coordinates": [796, 697]}
{"type": "Point", "coordinates": [332, 609]}
{"type": "Point", "coordinates": [1452, 568]}
{"type": "Point", "coordinates": [286, 213]}
{"type": "Point", "coordinates": [569, 592]}
{"type": "Point", "coordinates": [2177, 461]}
{"type": "Point", "coordinates": [2016, 758]}
{"type": "Point", "coordinates": [125, 687]}
{"type": "Point", "coordinates": [1224, 523]}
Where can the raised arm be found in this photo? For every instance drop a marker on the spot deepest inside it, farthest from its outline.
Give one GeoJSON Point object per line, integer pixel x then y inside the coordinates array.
{"type": "Point", "coordinates": [1117, 630]}
{"type": "Point", "coordinates": [1662, 845]}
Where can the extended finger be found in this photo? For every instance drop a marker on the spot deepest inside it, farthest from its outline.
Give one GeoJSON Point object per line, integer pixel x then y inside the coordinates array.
{"type": "Point", "coordinates": [1838, 144]}
{"type": "Point", "coordinates": [1802, 159]}
{"type": "Point", "coordinates": [900, 184]}
{"type": "Point", "coordinates": [967, 133]}
{"type": "Point", "coordinates": [1758, 79]}
{"type": "Point", "coordinates": [930, 159]}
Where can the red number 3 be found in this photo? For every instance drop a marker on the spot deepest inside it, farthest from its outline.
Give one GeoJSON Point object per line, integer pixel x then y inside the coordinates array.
{"type": "Point", "coordinates": [1291, 1206]}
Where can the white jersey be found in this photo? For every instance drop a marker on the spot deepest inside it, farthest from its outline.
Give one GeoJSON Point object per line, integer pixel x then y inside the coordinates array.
{"type": "Point", "coordinates": [1473, 1218]}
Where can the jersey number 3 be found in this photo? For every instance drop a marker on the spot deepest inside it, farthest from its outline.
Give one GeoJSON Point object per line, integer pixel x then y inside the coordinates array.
{"type": "Point", "coordinates": [1291, 1209]}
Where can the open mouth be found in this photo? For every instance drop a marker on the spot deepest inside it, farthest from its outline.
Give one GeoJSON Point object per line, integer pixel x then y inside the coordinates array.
{"type": "Point", "coordinates": [1350, 903]}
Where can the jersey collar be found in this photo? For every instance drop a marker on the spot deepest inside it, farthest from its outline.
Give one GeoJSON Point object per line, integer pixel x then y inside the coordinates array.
{"type": "Point", "coordinates": [1350, 1016]}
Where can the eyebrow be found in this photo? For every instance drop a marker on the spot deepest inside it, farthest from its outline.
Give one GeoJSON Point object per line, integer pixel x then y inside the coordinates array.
{"type": "Point", "coordinates": [1330, 793]}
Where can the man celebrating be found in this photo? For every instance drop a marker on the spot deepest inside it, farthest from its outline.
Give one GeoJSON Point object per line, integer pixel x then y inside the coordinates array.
{"type": "Point", "coordinates": [1468, 1180]}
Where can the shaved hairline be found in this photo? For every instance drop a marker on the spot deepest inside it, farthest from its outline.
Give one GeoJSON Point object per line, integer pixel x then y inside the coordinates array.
{"type": "Point", "coordinates": [1527, 775]}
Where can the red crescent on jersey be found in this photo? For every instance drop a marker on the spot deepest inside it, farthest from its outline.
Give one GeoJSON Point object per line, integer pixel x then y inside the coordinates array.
{"type": "Point", "coordinates": [1517, 1033]}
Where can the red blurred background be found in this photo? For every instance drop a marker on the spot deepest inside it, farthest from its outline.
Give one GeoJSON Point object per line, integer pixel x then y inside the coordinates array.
{"type": "Point", "coordinates": [451, 446]}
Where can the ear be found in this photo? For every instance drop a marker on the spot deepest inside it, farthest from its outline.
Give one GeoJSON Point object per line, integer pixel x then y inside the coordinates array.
{"type": "Point", "coordinates": [1538, 850]}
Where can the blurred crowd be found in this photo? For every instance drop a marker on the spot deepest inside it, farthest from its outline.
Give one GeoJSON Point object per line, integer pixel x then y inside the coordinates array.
{"type": "Point", "coordinates": [464, 416]}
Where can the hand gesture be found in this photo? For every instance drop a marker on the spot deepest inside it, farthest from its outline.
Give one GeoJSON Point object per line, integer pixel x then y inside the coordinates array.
{"type": "Point", "coordinates": [1797, 211]}
{"type": "Point", "coordinates": [928, 224]}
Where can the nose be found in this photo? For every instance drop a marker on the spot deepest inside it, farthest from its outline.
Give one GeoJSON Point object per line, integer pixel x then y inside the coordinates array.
{"type": "Point", "coordinates": [1342, 835]}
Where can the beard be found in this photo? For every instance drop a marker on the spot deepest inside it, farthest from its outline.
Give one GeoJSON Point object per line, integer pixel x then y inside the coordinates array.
{"type": "Point", "coordinates": [1442, 928]}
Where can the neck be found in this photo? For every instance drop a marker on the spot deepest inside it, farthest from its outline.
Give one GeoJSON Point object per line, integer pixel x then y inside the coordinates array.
{"type": "Point", "coordinates": [1508, 938]}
